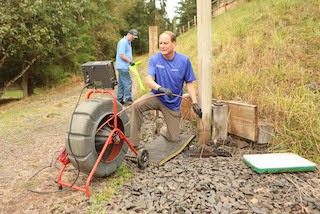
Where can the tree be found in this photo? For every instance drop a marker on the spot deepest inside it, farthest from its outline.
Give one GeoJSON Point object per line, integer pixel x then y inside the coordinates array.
{"type": "Point", "coordinates": [143, 15]}
{"type": "Point", "coordinates": [31, 31]}
{"type": "Point", "coordinates": [187, 10]}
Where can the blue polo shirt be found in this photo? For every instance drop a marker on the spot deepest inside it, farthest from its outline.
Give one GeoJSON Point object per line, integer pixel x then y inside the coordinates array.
{"type": "Point", "coordinates": [123, 47]}
{"type": "Point", "coordinates": [171, 74]}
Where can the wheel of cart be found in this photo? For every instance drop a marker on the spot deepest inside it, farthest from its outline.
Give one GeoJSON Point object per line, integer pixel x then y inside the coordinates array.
{"type": "Point", "coordinates": [86, 143]}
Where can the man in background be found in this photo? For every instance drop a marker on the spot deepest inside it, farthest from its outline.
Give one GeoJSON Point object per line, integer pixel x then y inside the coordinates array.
{"type": "Point", "coordinates": [123, 61]}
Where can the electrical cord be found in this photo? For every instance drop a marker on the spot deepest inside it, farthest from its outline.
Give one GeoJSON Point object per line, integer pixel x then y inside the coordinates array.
{"type": "Point", "coordinates": [51, 163]}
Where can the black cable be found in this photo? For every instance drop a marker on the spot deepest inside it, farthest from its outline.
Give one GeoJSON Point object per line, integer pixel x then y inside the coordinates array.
{"type": "Point", "coordinates": [50, 165]}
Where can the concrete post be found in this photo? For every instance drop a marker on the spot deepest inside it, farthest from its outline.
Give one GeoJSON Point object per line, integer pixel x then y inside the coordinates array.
{"type": "Point", "coordinates": [219, 122]}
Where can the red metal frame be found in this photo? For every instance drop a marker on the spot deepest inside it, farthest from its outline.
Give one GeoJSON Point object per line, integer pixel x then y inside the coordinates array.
{"type": "Point", "coordinates": [65, 160]}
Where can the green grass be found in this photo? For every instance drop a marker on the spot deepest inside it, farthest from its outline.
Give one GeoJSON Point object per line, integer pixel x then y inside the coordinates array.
{"type": "Point", "coordinates": [18, 93]}
{"type": "Point", "coordinates": [266, 52]}
{"type": "Point", "coordinates": [13, 94]}
{"type": "Point", "coordinates": [114, 183]}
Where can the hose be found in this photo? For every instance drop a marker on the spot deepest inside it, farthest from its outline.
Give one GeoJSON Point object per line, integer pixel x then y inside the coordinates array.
{"type": "Point", "coordinates": [157, 95]}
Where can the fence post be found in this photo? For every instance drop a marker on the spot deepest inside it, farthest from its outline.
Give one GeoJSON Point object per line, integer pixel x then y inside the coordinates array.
{"type": "Point", "coordinates": [225, 5]}
{"type": "Point", "coordinates": [188, 25]}
{"type": "Point", "coordinates": [153, 40]}
{"type": "Point", "coordinates": [174, 24]}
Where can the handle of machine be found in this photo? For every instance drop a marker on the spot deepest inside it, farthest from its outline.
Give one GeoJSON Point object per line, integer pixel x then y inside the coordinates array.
{"type": "Point", "coordinates": [136, 73]}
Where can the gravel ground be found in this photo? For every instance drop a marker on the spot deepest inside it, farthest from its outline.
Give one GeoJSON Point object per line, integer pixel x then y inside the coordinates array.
{"type": "Point", "coordinates": [214, 185]}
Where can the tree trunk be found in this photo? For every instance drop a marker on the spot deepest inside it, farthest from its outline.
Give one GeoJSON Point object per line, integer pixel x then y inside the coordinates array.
{"type": "Point", "coordinates": [25, 84]}
{"type": "Point", "coordinates": [7, 84]}
{"type": "Point", "coordinates": [30, 82]}
{"type": "Point", "coordinates": [2, 61]}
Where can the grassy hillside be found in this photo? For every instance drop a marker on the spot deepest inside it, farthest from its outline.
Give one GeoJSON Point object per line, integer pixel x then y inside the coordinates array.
{"type": "Point", "coordinates": [266, 52]}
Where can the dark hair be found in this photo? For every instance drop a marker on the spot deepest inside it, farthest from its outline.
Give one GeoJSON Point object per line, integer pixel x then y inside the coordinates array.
{"type": "Point", "coordinates": [171, 34]}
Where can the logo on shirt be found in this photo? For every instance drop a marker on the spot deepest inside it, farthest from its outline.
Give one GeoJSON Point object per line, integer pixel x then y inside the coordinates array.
{"type": "Point", "coordinates": [160, 66]}
{"type": "Point", "coordinates": [175, 69]}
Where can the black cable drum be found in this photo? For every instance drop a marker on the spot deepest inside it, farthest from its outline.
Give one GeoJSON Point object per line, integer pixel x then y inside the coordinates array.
{"type": "Point", "coordinates": [86, 144]}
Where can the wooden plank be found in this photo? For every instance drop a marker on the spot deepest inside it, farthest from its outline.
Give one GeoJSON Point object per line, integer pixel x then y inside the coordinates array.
{"type": "Point", "coordinates": [243, 120]}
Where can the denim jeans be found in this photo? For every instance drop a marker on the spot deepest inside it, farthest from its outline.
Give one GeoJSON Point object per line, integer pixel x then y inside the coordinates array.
{"type": "Point", "coordinates": [124, 85]}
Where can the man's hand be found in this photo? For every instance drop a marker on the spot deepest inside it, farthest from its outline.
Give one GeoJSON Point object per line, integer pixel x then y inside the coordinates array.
{"type": "Point", "coordinates": [165, 90]}
{"type": "Point", "coordinates": [197, 109]}
{"type": "Point", "coordinates": [132, 63]}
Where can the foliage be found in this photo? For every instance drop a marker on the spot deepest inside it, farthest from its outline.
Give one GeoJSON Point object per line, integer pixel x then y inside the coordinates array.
{"type": "Point", "coordinates": [51, 39]}
{"type": "Point", "coordinates": [267, 53]}
{"type": "Point", "coordinates": [37, 32]}
{"type": "Point", "coordinates": [105, 23]}
{"type": "Point", "coordinates": [187, 9]}
{"type": "Point", "coordinates": [143, 15]}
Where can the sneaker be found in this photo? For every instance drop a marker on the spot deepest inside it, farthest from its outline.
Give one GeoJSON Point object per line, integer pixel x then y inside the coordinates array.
{"type": "Point", "coordinates": [121, 102]}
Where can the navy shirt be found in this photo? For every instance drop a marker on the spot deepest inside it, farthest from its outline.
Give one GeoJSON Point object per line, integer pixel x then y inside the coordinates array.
{"type": "Point", "coordinates": [171, 74]}
{"type": "Point", "coordinates": [123, 47]}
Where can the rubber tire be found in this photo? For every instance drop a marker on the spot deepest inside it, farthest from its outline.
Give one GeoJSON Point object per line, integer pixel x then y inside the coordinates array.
{"type": "Point", "coordinates": [85, 122]}
{"type": "Point", "coordinates": [143, 158]}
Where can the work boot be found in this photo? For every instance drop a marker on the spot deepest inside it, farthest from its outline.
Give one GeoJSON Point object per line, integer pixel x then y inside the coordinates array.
{"type": "Point", "coordinates": [128, 102]}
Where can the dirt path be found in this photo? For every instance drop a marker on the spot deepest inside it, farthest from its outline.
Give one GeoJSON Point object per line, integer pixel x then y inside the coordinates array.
{"type": "Point", "coordinates": [32, 130]}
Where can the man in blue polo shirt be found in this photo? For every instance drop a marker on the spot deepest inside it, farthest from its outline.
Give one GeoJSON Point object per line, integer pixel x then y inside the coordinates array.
{"type": "Point", "coordinates": [123, 61]}
{"type": "Point", "coordinates": [167, 72]}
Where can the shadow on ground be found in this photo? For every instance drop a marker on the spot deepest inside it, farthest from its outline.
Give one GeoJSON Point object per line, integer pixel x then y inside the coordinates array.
{"type": "Point", "coordinates": [8, 100]}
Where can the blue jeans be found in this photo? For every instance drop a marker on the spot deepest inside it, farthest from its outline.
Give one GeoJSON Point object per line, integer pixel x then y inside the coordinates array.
{"type": "Point", "coordinates": [124, 85]}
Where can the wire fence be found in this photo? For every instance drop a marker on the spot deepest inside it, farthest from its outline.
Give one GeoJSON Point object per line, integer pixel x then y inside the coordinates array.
{"type": "Point", "coordinates": [218, 7]}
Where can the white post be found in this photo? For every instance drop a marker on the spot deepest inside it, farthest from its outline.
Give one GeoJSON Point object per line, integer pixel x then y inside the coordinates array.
{"type": "Point", "coordinates": [204, 16]}
{"type": "Point", "coordinates": [153, 49]}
